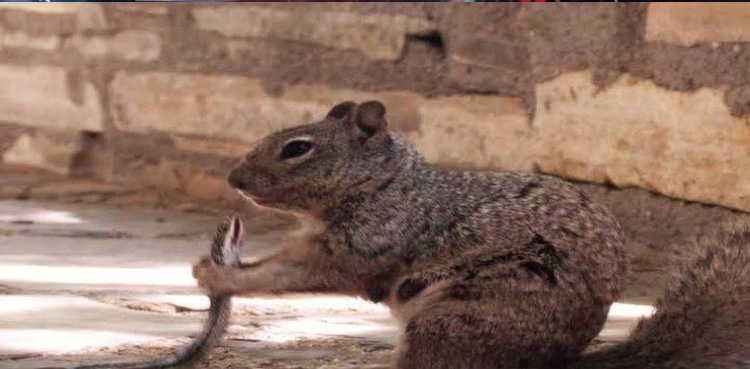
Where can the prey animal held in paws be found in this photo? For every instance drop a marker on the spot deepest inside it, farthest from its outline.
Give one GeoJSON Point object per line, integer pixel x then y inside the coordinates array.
{"type": "Point", "coordinates": [225, 251]}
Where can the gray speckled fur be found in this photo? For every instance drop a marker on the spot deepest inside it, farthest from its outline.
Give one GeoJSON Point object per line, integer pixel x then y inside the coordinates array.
{"type": "Point", "coordinates": [483, 270]}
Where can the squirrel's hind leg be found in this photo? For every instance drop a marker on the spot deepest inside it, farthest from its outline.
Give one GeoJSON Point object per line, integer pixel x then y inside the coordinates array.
{"type": "Point", "coordinates": [454, 340]}
{"type": "Point", "coordinates": [519, 331]}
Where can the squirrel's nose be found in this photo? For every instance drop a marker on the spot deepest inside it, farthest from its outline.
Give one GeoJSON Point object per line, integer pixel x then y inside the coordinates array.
{"type": "Point", "coordinates": [235, 180]}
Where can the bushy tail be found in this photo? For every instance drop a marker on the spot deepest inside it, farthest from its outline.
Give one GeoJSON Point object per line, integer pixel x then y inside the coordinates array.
{"type": "Point", "coordinates": [707, 306]}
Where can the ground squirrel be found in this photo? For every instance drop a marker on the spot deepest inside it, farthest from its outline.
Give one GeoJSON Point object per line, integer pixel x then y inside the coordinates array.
{"type": "Point", "coordinates": [482, 270]}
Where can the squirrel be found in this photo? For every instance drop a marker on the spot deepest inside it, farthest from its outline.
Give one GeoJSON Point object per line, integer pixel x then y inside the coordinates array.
{"type": "Point", "coordinates": [482, 270]}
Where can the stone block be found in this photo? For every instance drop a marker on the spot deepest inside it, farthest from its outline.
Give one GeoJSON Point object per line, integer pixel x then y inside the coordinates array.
{"type": "Point", "coordinates": [477, 131]}
{"type": "Point", "coordinates": [18, 39]}
{"type": "Point", "coordinates": [53, 152]}
{"type": "Point", "coordinates": [42, 96]}
{"type": "Point", "coordinates": [635, 133]}
{"type": "Point", "coordinates": [572, 36]}
{"type": "Point", "coordinates": [45, 8]}
{"type": "Point", "coordinates": [126, 45]}
{"type": "Point", "coordinates": [689, 24]}
{"type": "Point", "coordinates": [210, 146]}
{"type": "Point", "coordinates": [379, 36]}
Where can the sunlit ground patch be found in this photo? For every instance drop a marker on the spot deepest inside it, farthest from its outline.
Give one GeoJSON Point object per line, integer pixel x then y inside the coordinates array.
{"type": "Point", "coordinates": [158, 276]}
{"type": "Point", "coordinates": [41, 216]}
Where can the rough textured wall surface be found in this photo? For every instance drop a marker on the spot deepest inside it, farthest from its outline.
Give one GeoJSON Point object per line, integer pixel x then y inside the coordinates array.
{"type": "Point", "coordinates": [170, 95]}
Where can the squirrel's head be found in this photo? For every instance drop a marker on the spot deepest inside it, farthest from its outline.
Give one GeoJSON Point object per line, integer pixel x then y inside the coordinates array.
{"type": "Point", "coordinates": [312, 166]}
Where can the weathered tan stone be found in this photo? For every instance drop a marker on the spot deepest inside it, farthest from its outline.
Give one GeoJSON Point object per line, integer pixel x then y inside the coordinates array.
{"type": "Point", "coordinates": [486, 63]}
{"type": "Point", "coordinates": [126, 45]}
{"type": "Point", "coordinates": [485, 132]}
{"type": "Point", "coordinates": [146, 8]}
{"type": "Point", "coordinates": [39, 150]}
{"type": "Point", "coordinates": [203, 187]}
{"type": "Point", "coordinates": [144, 198]}
{"type": "Point", "coordinates": [634, 133]}
{"type": "Point", "coordinates": [75, 188]}
{"type": "Point", "coordinates": [47, 8]}
{"type": "Point", "coordinates": [40, 96]}
{"type": "Point", "coordinates": [164, 176]}
{"type": "Point", "coordinates": [193, 181]}
{"type": "Point", "coordinates": [689, 24]}
{"type": "Point", "coordinates": [379, 36]}
{"type": "Point", "coordinates": [90, 16]}
{"type": "Point", "coordinates": [179, 179]}
{"type": "Point", "coordinates": [211, 146]}
{"type": "Point", "coordinates": [18, 39]}
{"type": "Point", "coordinates": [226, 107]}
{"type": "Point", "coordinates": [476, 131]}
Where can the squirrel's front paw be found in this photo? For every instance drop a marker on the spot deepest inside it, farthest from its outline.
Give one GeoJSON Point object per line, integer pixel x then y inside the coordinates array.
{"type": "Point", "coordinates": [216, 279]}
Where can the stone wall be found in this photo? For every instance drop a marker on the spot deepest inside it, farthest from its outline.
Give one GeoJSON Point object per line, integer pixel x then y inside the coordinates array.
{"type": "Point", "coordinates": [169, 95]}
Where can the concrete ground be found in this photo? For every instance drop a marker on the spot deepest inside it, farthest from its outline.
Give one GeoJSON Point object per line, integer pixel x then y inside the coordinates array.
{"type": "Point", "coordinates": [100, 283]}
{"type": "Point", "coordinates": [95, 273]}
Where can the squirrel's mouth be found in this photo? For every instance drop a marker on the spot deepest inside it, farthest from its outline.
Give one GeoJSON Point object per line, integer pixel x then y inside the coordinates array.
{"type": "Point", "coordinates": [258, 200]}
{"type": "Point", "coordinates": [266, 202]}
{"type": "Point", "coordinates": [248, 195]}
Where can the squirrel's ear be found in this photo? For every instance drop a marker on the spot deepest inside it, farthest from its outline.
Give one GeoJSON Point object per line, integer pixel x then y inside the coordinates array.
{"type": "Point", "coordinates": [369, 118]}
{"type": "Point", "coordinates": [342, 110]}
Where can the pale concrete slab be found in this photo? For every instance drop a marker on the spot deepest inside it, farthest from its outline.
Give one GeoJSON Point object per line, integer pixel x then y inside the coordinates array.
{"type": "Point", "coordinates": [79, 281]}
{"type": "Point", "coordinates": [79, 220]}
{"type": "Point", "coordinates": [72, 247]}
{"type": "Point", "coordinates": [299, 316]}
{"type": "Point", "coordinates": [61, 324]}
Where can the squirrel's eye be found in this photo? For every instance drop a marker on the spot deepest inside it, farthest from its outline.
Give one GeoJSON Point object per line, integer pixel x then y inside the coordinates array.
{"type": "Point", "coordinates": [295, 149]}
